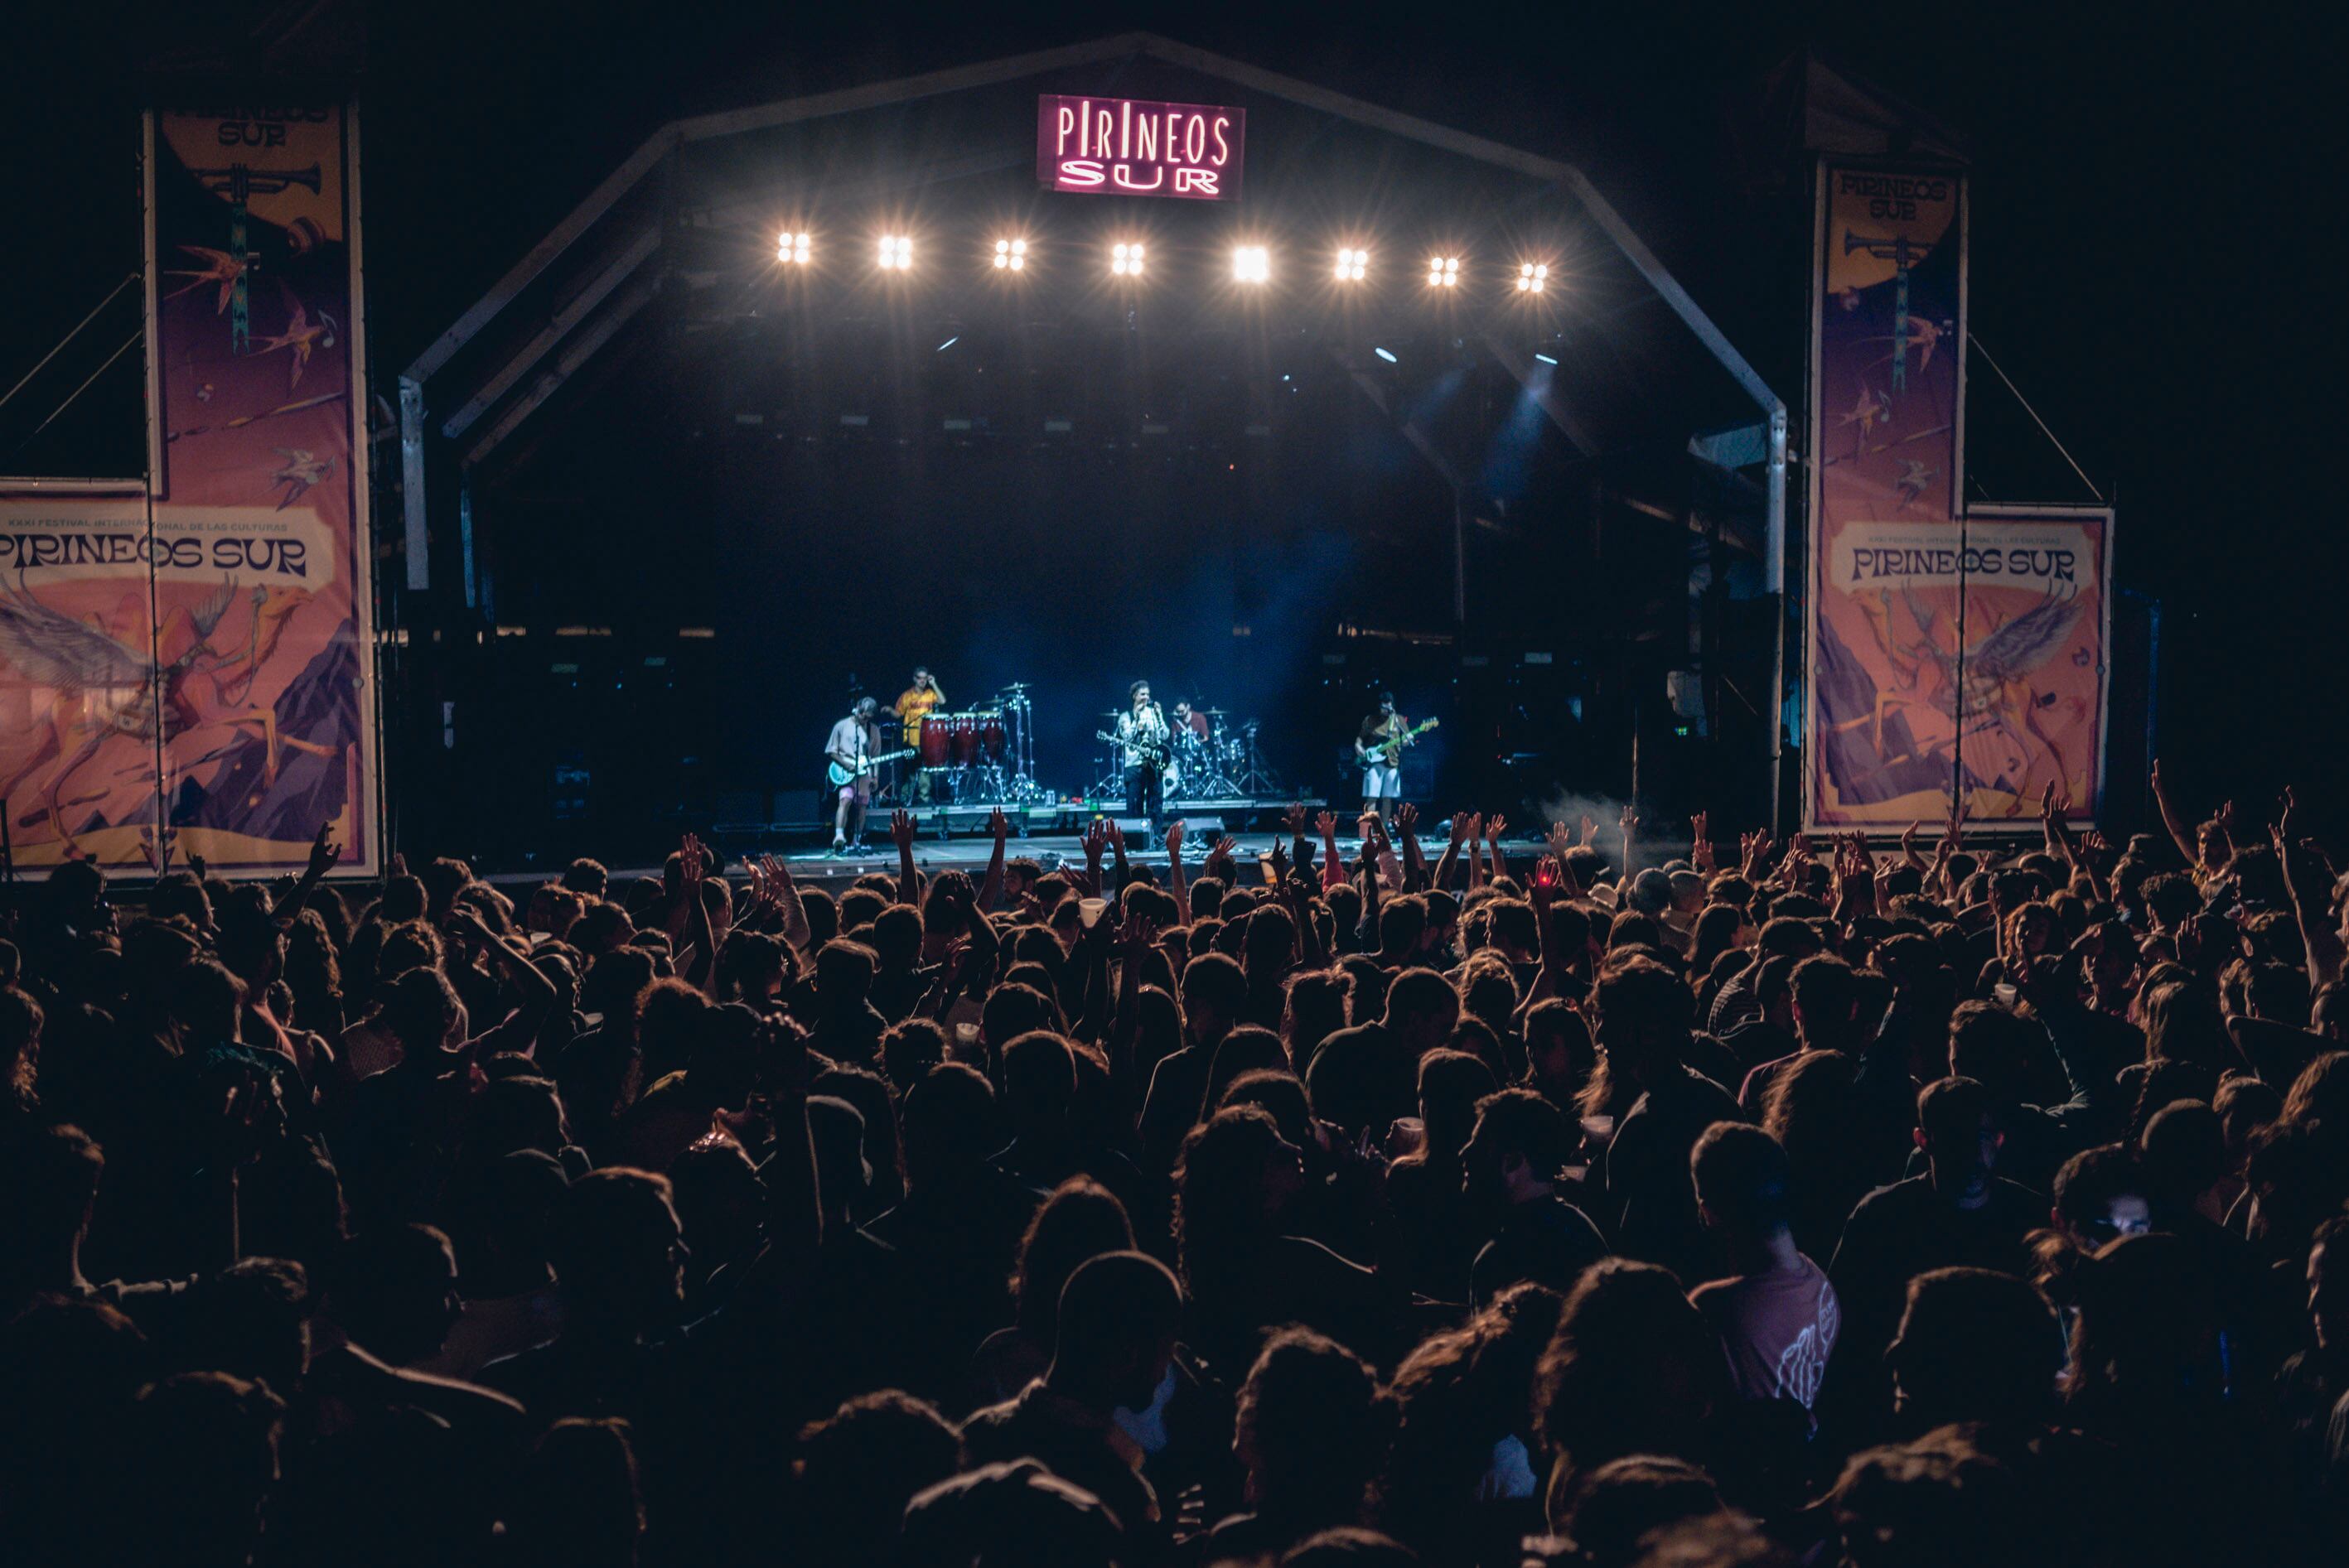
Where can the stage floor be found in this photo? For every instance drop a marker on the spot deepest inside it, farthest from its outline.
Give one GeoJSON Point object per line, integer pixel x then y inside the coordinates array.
{"type": "Point", "coordinates": [817, 868]}
{"type": "Point", "coordinates": [812, 865]}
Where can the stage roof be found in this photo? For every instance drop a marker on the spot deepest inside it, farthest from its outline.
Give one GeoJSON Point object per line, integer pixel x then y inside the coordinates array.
{"type": "Point", "coordinates": [1631, 361]}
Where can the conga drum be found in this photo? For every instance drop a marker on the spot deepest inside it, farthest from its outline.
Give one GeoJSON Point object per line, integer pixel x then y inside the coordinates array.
{"type": "Point", "coordinates": [965, 737]}
{"type": "Point", "coordinates": [990, 736]}
{"type": "Point", "coordinates": [935, 737]}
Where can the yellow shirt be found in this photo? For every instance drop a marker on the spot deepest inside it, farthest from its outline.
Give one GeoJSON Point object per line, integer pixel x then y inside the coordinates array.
{"type": "Point", "coordinates": [913, 705]}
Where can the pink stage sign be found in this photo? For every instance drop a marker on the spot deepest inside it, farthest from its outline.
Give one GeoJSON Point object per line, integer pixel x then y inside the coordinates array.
{"type": "Point", "coordinates": [1111, 147]}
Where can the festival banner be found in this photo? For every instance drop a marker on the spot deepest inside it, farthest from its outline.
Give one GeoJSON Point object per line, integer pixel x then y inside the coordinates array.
{"type": "Point", "coordinates": [1973, 651]}
{"type": "Point", "coordinates": [260, 432]}
{"type": "Point", "coordinates": [1886, 451]}
{"type": "Point", "coordinates": [197, 665]}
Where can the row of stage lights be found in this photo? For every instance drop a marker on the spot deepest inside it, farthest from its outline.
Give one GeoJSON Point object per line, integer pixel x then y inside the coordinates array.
{"type": "Point", "coordinates": [1250, 264]}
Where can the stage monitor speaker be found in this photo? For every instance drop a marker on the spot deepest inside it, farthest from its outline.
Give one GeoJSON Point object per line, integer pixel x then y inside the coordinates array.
{"type": "Point", "coordinates": [1134, 829]}
{"type": "Point", "coordinates": [795, 806]}
{"type": "Point", "coordinates": [1202, 830]}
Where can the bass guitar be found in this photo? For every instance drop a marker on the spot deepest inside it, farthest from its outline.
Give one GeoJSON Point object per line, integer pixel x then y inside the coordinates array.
{"type": "Point", "coordinates": [842, 777]}
{"type": "Point", "coordinates": [1386, 754]}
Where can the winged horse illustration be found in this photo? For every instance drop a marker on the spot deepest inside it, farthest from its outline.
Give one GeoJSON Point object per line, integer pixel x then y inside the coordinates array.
{"type": "Point", "coordinates": [106, 688]}
{"type": "Point", "coordinates": [1991, 681]}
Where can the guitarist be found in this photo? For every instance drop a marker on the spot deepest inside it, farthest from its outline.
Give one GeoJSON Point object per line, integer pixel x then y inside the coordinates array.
{"type": "Point", "coordinates": [855, 740]}
{"type": "Point", "coordinates": [1378, 751]}
{"type": "Point", "coordinates": [1141, 731]}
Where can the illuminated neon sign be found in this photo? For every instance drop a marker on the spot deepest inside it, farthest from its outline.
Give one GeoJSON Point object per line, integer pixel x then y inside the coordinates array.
{"type": "Point", "coordinates": [1119, 146]}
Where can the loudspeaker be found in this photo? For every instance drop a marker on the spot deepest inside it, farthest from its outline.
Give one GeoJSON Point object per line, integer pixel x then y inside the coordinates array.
{"type": "Point", "coordinates": [1134, 828]}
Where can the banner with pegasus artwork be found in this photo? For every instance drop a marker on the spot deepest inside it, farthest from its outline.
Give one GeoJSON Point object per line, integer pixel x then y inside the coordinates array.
{"type": "Point", "coordinates": [1972, 651]}
{"type": "Point", "coordinates": [193, 668]}
{"type": "Point", "coordinates": [1953, 654]}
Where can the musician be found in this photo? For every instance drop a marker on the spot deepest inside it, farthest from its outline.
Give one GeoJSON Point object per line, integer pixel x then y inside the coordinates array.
{"type": "Point", "coordinates": [855, 740]}
{"type": "Point", "coordinates": [914, 704]}
{"type": "Point", "coordinates": [1142, 730]}
{"type": "Point", "coordinates": [1381, 774]}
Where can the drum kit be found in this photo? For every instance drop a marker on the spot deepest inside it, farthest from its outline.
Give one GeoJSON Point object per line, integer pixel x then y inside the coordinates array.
{"type": "Point", "coordinates": [986, 757]}
{"type": "Point", "coordinates": [1216, 764]}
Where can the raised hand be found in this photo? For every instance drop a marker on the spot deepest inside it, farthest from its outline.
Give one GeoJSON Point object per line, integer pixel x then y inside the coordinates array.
{"type": "Point", "coordinates": [1096, 839]}
{"type": "Point", "coordinates": [1116, 836]}
{"type": "Point", "coordinates": [1475, 830]}
{"type": "Point", "coordinates": [1701, 850]}
{"type": "Point", "coordinates": [1908, 844]}
{"type": "Point", "coordinates": [1220, 862]}
{"type": "Point", "coordinates": [1462, 828]}
{"type": "Point", "coordinates": [1134, 937]}
{"type": "Point", "coordinates": [324, 853]}
{"type": "Point", "coordinates": [1293, 819]}
{"type": "Point", "coordinates": [1589, 830]}
{"type": "Point", "coordinates": [1630, 820]}
{"type": "Point", "coordinates": [1175, 836]}
{"type": "Point", "coordinates": [999, 824]}
{"type": "Point", "coordinates": [1406, 819]}
{"type": "Point", "coordinates": [690, 865]}
{"type": "Point", "coordinates": [901, 828]}
{"type": "Point", "coordinates": [1279, 862]}
{"type": "Point", "coordinates": [1495, 826]}
{"type": "Point", "coordinates": [1548, 873]}
{"type": "Point", "coordinates": [1326, 824]}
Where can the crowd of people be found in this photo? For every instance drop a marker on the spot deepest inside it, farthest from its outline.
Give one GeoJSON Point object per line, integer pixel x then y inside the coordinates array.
{"type": "Point", "coordinates": [1978, 1204]}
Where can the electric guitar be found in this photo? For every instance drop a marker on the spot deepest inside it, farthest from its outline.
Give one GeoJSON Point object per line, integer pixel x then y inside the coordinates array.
{"type": "Point", "coordinates": [1155, 752]}
{"type": "Point", "coordinates": [842, 777]}
{"type": "Point", "coordinates": [1386, 754]}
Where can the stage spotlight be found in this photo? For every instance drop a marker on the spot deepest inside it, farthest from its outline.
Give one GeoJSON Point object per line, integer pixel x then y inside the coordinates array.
{"type": "Point", "coordinates": [1383, 354]}
{"type": "Point", "coordinates": [1125, 261]}
{"type": "Point", "coordinates": [1010, 255]}
{"type": "Point", "coordinates": [1531, 277]}
{"type": "Point", "coordinates": [1353, 265]}
{"type": "Point", "coordinates": [1443, 272]}
{"type": "Point", "coordinates": [1546, 359]}
{"type": "Point", "coordinates": [1251, 264]}
{"type": "Point", "coordinates": [897, 252]}
{"type": "Point", "coordinates": [793, 249]}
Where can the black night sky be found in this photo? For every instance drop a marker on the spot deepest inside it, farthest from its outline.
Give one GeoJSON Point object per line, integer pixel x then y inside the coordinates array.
{"type": "Point", "coordinates": [2149, 262]}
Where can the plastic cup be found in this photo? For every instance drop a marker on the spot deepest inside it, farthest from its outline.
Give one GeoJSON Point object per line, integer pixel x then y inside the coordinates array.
{"type": "Point", "coordinates": [1090, 910]}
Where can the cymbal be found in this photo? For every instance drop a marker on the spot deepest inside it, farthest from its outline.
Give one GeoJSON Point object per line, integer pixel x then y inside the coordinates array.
{"type": "Point", "coordinates": [1015, 685]}
{"type": "Point", "coordinates": [1210, 712]}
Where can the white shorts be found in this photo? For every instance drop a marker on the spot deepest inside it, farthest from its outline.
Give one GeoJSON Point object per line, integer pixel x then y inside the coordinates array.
{"type": "Point", "coordinates": [1382, 783]}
